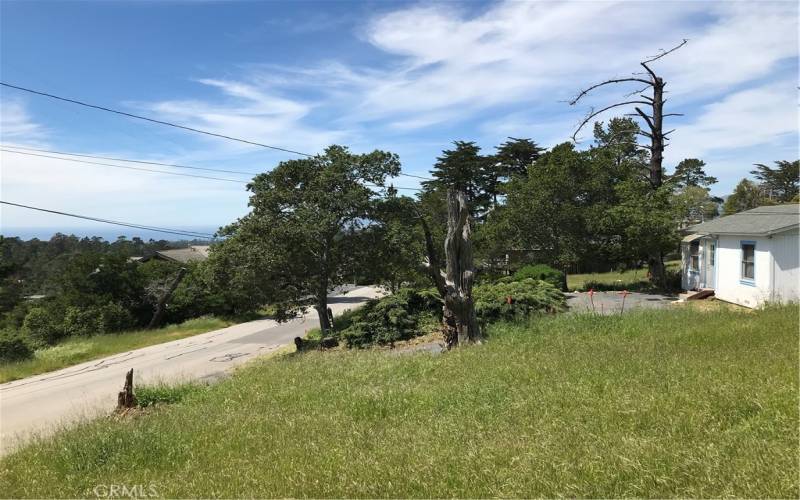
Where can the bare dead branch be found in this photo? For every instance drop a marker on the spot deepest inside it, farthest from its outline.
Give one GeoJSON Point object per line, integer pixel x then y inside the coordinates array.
{"type": "Point", "coordinates": [593, 113]}
{"type": "Point", "coordinates": [607, 82]}
{"type": "Point", "coordinates": [646, 119]}
{"type": "Point", "coordinates": [665, 52]}
{"type": "Point", "coordinates": [673, 114]}
{"type": "Point", "coordinates": [649, 71]}
{"type": "Point", "coordinates": [631, 94]}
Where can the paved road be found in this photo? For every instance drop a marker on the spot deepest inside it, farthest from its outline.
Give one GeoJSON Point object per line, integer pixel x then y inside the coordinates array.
{"type": "Point", "coordinates": [40, 403]}
{"type": "Point", "coordinates": [611, 302]}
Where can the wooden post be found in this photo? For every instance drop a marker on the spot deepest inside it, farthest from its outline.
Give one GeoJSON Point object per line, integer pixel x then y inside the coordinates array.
{"type": "Point", "coordinates": [126, 398]}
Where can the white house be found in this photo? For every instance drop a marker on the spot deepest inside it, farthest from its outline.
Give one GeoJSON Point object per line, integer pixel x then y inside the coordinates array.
{"type": "Point", "coordinates": [747, 258]}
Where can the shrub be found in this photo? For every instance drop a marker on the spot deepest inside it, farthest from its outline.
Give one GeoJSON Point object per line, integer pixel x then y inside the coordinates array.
{"type": "Point", "coordinates": [392, 318]}
{"type": "Point", "coordinates": [114, 317]}
{"type": "Point", "coordinates": [14, 347]}
{"type": "Point", "coordinates": [43, 325]}
{"type": "Point", "coordinates": [516, 299]}
{"type": "Point", "coordinates": [107, 318]}
{"type": "Point", "coordinates": [540, 272]}
{"type": "Point", "coordinates": [82, 322]}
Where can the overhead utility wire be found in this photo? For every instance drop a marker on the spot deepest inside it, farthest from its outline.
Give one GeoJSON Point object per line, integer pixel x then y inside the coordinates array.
{"type": "Point", "coordinates": [118, 223]}
{"type": "Point", "coordinates": [150, 169]}
{"type": "Point", "coordinates": [153, 120]}
{"type": "Point", "coordinates": [123, 166]}
{"type": "Point", "coordinates": [170, 124]}
{"type": "Point", "coordinates": [143, 162]}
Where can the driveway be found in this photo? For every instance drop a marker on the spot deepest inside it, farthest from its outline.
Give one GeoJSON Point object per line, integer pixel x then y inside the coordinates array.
{"type": "Point", "coordinates": [611, 302]}
{"type": "Point", "coordinates": [40, 403]}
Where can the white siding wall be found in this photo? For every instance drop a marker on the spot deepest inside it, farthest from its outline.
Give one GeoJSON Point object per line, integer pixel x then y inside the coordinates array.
{"type": "Point", "coordinates": [786, 252]}
{"type": "Point", "coordinates": [729, 264]}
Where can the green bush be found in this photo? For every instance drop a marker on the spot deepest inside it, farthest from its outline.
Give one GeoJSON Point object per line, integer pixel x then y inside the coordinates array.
{"type": "Point", "coordinates": [82, 322]}
{"type": "Point", "coordinates": [14, 347]}
{"type": "Point", "coordinates": [44, 325]}
{"type": "Point", "coordinates": [392, 318]}
{"type": "Point", "coordinates": [114, 317]}
{"type": "Point", "coordinates": [516, 299]}
{"type": "Point", "coordinates": [540, 272]}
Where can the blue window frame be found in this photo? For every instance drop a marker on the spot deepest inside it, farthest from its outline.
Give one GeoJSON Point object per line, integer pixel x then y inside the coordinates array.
{"type": "Point", "coordinates": [747, 274]}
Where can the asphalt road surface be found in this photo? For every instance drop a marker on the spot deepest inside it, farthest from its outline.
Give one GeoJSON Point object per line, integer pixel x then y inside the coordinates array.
{"type": "Point", "coordinates": [41, 403]}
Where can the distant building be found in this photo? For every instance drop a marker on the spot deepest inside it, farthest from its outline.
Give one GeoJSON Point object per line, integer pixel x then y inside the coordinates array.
{"type": "Point", "coordinates": [747, 258]}
{"type": "Point", "coordinates": [193, 253]}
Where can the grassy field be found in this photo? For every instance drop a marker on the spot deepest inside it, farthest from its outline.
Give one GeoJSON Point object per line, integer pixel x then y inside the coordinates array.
{"type": "Point", "coordinates": [79, 349]}
{"type": "Point", "coordinates": [629, 278]}
{"type": "Point", "coordinates": [658, 403]}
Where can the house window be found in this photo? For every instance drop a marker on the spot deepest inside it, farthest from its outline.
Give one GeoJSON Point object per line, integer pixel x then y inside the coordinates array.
{"type": "Point", "coordinates": [694, 256]}
{"type": "Point", "coordinates": [748, 260]}
{"type": "Point", "coordinates": [713, 256]}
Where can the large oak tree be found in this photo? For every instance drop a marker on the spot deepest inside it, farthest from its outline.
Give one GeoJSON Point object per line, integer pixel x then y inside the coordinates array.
{"type": "Point", "coordinates": [298, 242]}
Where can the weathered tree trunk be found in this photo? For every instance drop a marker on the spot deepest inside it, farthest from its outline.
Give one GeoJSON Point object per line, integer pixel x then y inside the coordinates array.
{"type": "Point", "coordinates": [564, 285]}
{"type": "Point", "coordinates": [126, 398]}
{"type": "Point", "coordinates": [460, 274]}
{"type": "Point", "coordinates": [434, 269]}
{"type": "Point", "coordinates": [657, 134]}
{"type": "Point", "coordinates": [161, 305]}
{"type": "Point", "coordinates": [322, 312]}
{"type": "Point", "coordinates": [325, 321]}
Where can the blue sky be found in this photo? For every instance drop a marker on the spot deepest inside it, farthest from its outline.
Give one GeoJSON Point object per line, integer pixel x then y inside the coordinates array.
{"type": "Point", "coordinates": [406, 77]}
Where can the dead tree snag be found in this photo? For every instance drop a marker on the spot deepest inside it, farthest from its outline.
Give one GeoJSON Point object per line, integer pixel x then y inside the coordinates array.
{"type": "Point", "coordinates": [650, 109]}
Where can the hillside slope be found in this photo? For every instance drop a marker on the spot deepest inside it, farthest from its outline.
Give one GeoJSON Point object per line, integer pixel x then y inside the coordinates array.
{"type": "Point", "coordinates": [659, 403]}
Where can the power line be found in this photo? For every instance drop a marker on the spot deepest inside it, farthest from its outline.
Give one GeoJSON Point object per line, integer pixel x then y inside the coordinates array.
{"type": "Point", "coordinates": [153, 170]}
{"type": "Point", "coordinates": [123, 166]}
{"type": "Point", "coordinates": [143, 162]}
{"type": "Point", "coordinates": [153, 120]}
{"type": "Point", "coordinates": [170, 124]}
{"type": "Point", "coordinates": [118, 223]}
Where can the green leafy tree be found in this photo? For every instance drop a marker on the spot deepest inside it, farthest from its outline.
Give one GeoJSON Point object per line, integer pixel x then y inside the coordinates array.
{"type": "Point", "coordinates": [746, 195]}
{"type": "Point", "coordinates": [546, 209]}
{"type": "Point", "coordinates": [396, 243]}
{"type": "Point", "coordinates": [691, 172]}
{"type": "Point", "coordinates": [463, 168]}
{"type": "Point", "coordinates": [780, 184]}
{"type": "Point", "coordinates": [694, 204]}
{"type": "Point", "coordinates": [512, 158]}
{"type": "Point", "coordinates": [293, 247]}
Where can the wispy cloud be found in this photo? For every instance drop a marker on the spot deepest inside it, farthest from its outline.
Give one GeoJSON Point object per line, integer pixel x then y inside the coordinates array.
{"type": "Point", "coordinates": [16, 124]}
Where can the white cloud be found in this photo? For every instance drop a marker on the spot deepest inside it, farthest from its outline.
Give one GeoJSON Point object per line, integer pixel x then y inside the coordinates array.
{"type": "Point", "coordinates": [248, 111]}
{"type": "Point", "coordinates": [16, 124]}
{"type": "Point", "coordinates": [761, 115]}
{"type": "Point", "coordinates": [445, 65]}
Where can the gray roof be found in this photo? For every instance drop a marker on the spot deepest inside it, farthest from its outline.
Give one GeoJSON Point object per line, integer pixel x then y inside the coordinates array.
{"type": "Point", "coordinates": [191, 254]}
{"type": "Point", "coordinates": [758, 221]}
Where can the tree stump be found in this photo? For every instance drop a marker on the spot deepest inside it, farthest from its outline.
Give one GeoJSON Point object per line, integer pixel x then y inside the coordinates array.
{"type": "Point", "coordinates": [126, 398]}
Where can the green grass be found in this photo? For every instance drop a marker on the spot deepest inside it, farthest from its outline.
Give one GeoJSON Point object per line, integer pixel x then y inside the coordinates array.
{"type": "Point", "coordinates": [77, 350]}
{"type": "Point", "coordinates": [630, 278]}
{"type": "Point", "coordinates": [658, 403]}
